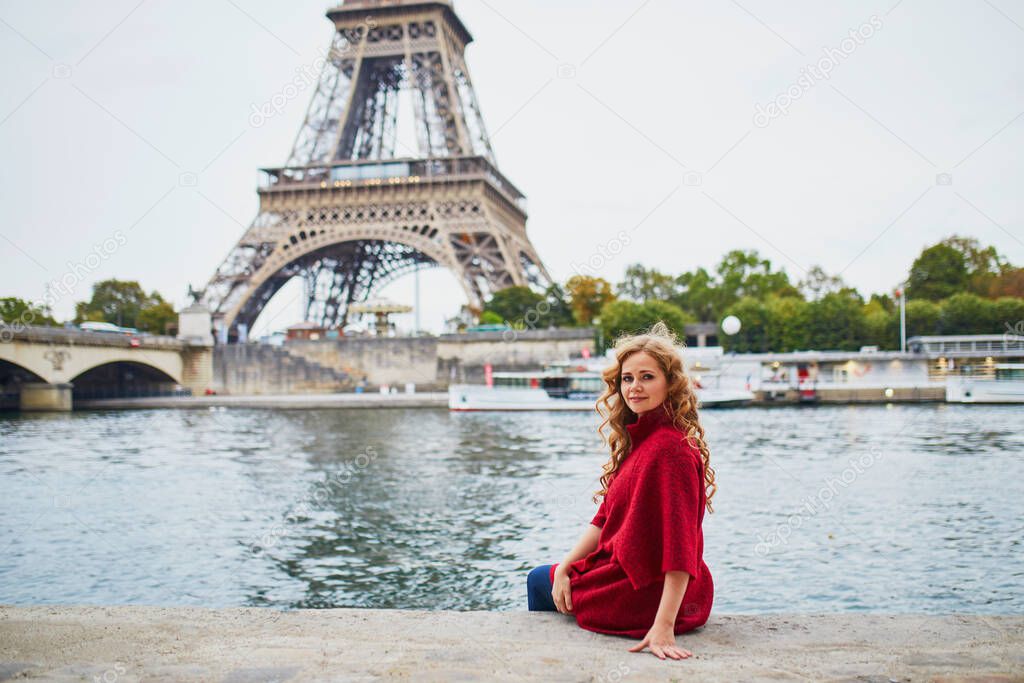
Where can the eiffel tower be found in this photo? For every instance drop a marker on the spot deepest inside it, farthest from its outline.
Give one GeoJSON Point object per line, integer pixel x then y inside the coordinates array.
{"type": "Point", "coordinates": [349, 213]}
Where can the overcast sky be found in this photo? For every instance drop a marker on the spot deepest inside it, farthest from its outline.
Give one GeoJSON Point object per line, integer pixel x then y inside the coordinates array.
{"type": "Point", "coordinates": [636, 118]}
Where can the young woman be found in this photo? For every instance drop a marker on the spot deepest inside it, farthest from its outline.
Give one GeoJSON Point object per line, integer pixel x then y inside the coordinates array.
{"type": "Point", "coordinates": [638, 569]}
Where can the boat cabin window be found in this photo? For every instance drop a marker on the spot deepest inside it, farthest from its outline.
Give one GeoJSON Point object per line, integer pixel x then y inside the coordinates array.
{"type": "Point", "coordinates": [514, 381]}
{"type": "Point", "coordinates": [1010, 373]}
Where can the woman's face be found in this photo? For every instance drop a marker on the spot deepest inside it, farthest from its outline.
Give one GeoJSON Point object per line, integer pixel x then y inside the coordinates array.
{"type": "Point", "coordinates": [644, 386]}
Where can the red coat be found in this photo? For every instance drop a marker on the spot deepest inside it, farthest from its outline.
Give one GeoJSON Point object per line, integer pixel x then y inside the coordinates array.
{"type": "Point", "coordinates": [650, 524]}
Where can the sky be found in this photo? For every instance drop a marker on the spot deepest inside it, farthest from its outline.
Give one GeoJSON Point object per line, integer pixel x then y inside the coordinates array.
{"type": "Point", "coordinates": [848, 135]}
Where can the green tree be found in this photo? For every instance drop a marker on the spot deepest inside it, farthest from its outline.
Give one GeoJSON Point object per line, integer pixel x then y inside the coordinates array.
{"type": "Point", "coordinates": [1009, 314]}
{"type": "Point", "coordinates": [15, 310]}
{"type": "Point", "coordinates": [706, 296]}
{"type": "Point", "coordinates": [939, 272]}
{"type": "Point", "coordinates": [978, 258]}
{"type": "Point", "coordinates": [745, 273]}
{"type": "Point", "coordinates": [836, 321]}
{"type": "Point", "coordinates": [817, 283]}
{"type": "Point", "coordinates": [922, 318]}
{"type": "Point", "coordinates": [966, 313]}
{"type": "Point", "coordinates": [117, 301]}
{"type": "Point", "coordinates": [984, 264]}
{"type": "Point", "coordinates": [885, 302]}
{"type": "Point", "coordinates": [881, 323]}
{"type": "Point", "coordinates": [822, 312]}
{"type": "Point", "coordinates": [560, 312]}
{"type": "Point", "coordinates": [125, 303]}
{"type": "Point", "coordinates": [674, 317]}
{"type": "Point", "coordinates": [754, 326]}
{"type": "Point", "coordinates": [514, 303]}
{"type": "Point", "coordinates": [696, 294]}
{"type": "Point", "coordinates": [490, 318]}
{"type": "Point", "coordinates": [156, 317]}
{"type": "Point", "coordinates": [587, 296]}
{"type": "Point", "coordinates": [620, 317]}
{"type": "Point", "coordinates": [786, 323]}
{"type": "Point", "coordinates": [627, 317]}
{"type": "Point", "coordinates": [646, 284]}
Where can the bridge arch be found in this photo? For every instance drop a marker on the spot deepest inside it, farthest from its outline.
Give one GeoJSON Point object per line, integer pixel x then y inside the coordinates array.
{"type": "Point", "coordinates": [83, 359]}
{"type": "Point", "coordinates": [24, 367]}
{"type": "Point", "coordinates": [10, 369]}
{"type": "Point", "coordinates": [12, 376]}
{"type": "Point", "coordinates": [122, 378]}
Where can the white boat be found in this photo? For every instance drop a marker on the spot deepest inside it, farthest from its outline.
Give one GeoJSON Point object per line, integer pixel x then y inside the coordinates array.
{"type": "Point", "coordinates": [1004, 384]}
{"type": "Point", "coordinates": [576, 385]}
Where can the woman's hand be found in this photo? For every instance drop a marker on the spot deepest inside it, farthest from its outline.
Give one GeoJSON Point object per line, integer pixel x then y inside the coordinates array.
{"type": "Point", "coordinates": [662, 641]}
{"type": "Point", "coordinates": [560, 590]}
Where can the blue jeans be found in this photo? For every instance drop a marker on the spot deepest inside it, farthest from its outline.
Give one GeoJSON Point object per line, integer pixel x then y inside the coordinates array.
{"type": "Point", "coordinates": [538, 590]}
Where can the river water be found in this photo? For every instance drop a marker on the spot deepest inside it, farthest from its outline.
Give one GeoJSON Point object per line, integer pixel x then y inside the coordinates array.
{"type": "Point", "coordinates": [899, 508]}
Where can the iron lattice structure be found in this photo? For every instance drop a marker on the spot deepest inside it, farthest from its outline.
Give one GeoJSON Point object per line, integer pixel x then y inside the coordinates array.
{"type": "Point", "coordinates": [349, 212]}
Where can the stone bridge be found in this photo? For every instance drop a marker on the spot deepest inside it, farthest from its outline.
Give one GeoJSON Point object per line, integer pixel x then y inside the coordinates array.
{"type": "Point", "coordinates": [43, 368]}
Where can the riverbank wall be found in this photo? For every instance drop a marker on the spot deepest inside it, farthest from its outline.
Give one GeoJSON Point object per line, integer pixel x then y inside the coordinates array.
{"type": "Point", "coordinates": [142, 643]}
{"type": "Point", "coordinates": [308, 366]}
{"type": "Point", "coordinates": [373, 400]}
{"type": "Point", "coordinates": [432, 363]}
{"type": "Point", "coordinates": [264, 369]}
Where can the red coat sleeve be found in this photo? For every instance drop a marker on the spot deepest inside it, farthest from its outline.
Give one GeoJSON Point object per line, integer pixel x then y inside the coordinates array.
{"type": "Point", "coordinates": [662, 526]}
{"type": "Point", "coordinates": [601, 516]}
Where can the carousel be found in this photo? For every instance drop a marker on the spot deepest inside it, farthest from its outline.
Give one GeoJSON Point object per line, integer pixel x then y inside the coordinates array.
{"type": "Point", "coordinates": [381, 309]}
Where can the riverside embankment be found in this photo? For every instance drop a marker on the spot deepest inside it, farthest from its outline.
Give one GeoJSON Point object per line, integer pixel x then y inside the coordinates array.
{"type": "Point", "coordinates": [276, 401]}
{"type": "Point", "coordinates": [138, 643]}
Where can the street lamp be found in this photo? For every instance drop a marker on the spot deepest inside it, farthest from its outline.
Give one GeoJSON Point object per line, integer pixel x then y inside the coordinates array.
{"type": "Point", "coordinates": [901, 293]}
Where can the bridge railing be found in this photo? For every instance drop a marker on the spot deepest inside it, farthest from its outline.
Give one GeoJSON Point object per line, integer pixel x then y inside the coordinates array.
{"type": "Point", "coordinates": [72, 335]}
{"type": "Point", "coordinates": [969, 345]}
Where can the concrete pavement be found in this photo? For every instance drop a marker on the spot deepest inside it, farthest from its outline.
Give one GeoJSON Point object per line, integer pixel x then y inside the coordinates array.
{"type": "Point", "coordinates": [139, 643]}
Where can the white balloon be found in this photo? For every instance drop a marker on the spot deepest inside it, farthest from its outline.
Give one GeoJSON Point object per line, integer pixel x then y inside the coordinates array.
{"type": "Point", "coordinates": [731, 325]}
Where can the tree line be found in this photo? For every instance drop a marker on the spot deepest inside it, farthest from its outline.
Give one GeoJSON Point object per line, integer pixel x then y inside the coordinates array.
{"type": "Point", "coordinates": [120, 302]}
{"type": "Point", "coordinates": [953, 287]}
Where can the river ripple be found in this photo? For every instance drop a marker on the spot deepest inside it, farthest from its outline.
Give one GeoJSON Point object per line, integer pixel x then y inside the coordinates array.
{"type": "Point", "coordinates": [902, 508]}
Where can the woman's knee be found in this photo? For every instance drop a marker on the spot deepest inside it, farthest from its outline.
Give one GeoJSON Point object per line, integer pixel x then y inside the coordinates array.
{"type": "Point", "coordinates": [538, 589]}
{"type": "Point", "coordinates": [538, 576]}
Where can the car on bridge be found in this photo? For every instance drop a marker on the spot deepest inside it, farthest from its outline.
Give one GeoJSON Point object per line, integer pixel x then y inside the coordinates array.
{"type": "Point", "coordinates": [95, 326]}
{"type": "Point", "coordinates": [110, 328]}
